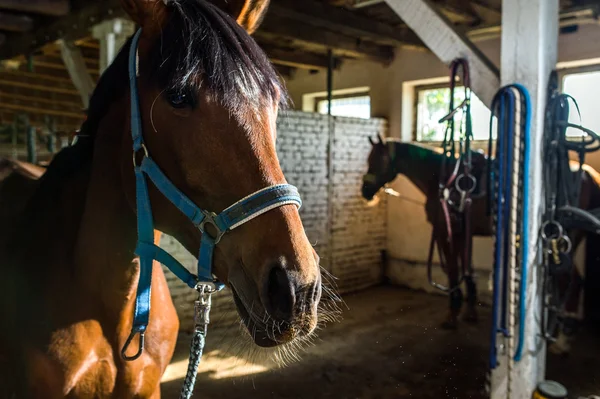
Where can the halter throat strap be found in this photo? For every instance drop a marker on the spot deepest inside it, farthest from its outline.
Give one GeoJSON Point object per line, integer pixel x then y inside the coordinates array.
{"type": "Point", "coordinates": [231, 218]}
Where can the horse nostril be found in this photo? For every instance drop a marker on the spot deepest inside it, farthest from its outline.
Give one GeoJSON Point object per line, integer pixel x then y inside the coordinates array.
{"type": "Point", "coordinates": [281, 296]}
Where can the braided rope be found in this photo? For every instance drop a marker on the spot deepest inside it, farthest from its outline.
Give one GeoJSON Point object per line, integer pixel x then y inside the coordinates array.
{"type": "Point", "coordinates": [514, 280]}
{"type": "Point", "coordinates": [196, 349]}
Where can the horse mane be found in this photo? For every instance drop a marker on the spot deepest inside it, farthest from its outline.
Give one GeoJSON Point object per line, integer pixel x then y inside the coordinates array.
{"type": "Point", "coordinates": [202, 45]}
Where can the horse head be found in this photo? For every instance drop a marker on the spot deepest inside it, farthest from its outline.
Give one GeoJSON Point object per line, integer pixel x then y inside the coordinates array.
{"type": "Point", "coordinates": [380, 170]}
{"type": "Point", "coordinates": [209, 99]}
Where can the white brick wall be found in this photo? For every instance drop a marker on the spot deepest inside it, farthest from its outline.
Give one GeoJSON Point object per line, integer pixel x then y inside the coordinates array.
{"type": "Point", "coordinates": [359, 232]}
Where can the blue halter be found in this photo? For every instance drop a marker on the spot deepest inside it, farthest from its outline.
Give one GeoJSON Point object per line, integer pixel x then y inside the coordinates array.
{"type": "Point", "coordinates": [239, 213]}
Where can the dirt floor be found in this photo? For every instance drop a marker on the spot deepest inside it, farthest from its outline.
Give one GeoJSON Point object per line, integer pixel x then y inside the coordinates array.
{"type": "Point", "coordinates": [388, 345]}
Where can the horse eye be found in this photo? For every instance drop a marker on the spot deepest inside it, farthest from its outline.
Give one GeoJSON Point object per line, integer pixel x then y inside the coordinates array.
{"type": "Point", "coordinates": [179, 100]}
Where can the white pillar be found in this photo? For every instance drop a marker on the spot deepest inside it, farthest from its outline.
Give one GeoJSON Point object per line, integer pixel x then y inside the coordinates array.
{"type": "Point", "coordinates": [112, 34]}
{"type": "Point", "coordinates": [529, 54]}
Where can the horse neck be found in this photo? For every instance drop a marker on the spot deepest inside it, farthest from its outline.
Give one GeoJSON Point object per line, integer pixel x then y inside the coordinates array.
{"type": "Point", "coordinates": [422, 172]}
{"type": "Point", "coordinates": [107, 232]}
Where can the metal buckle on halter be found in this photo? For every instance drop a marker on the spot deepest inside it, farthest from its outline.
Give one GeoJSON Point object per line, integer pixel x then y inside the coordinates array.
{"type": "Point", "coordinates": [209, 218]}
{"type": "Point", "coordinates": [135, 152]}
{"type": "Point", "coordinates": [202, 305]}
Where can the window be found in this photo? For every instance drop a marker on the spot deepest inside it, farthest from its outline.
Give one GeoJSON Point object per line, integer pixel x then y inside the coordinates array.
{"type": "Point", "coordinates": [578, 85]}
{"type": "Point", "coordinates": [432, 105]}
{"type": "Point", "coordinates": [356, 106]}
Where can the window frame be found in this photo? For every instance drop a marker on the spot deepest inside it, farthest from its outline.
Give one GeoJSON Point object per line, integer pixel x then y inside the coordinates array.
{"type": "Point", "coordinates": [564, 72]}
{"type": "Point", "coordinates": [318, 99]}
{"type": "Point", "coordinates": [415, 109]}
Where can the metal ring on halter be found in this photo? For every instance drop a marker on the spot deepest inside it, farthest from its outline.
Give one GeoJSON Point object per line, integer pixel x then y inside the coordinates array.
{"type": "Point", "coordinates": [135, 165]}
{"type": "Point", "coordinates": [547, 236]}
{"type": "Point", "coordinates": [209, 218]}
{"type": "Point", "coordinates": [206, 288]}
{"type": "Point", "coordinates": [470, 189]}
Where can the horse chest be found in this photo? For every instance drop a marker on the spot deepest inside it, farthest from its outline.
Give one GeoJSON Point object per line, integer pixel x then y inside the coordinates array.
{"type": "Point", "coordinates": [79, 362]}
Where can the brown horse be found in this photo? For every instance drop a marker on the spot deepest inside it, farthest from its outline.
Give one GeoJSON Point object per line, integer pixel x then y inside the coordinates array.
{"type": "Point", "coordinates": [209, 100]}
{"type": "Point", "coordinates": [421, 165]}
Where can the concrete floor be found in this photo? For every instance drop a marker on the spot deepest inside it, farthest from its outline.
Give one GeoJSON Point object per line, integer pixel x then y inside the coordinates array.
{"type": "Point", "coordinates": [388, 345]}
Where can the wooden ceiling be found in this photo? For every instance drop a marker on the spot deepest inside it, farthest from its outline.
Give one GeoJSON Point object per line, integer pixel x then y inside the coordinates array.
{"type": "Point", "coordinates": [295, 33]}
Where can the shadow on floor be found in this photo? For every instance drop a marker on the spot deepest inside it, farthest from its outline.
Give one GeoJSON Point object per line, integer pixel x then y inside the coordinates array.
{"type": "Point", "coordinates": [388, 346]}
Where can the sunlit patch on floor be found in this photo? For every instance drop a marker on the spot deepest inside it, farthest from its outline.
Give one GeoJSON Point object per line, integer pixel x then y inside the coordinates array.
{"type": "Point", "coordinates": [217, 366]}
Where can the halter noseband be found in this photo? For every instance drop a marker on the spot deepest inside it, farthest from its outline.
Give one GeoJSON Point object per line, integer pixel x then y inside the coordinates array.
{"type": "Point", "coordinates": [237, 214]}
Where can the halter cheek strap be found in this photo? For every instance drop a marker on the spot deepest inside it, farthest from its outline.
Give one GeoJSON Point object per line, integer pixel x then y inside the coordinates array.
{"type": "Point", "coordinates": [234, 216]}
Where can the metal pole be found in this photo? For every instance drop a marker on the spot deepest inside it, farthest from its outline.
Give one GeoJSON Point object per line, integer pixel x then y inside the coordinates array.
{"type": "Point", "coordinates": [330, 66]}
{"type": "Point", "coordinates": [330, 170]}
{"type": "Point", "coordinates": [31, 145]}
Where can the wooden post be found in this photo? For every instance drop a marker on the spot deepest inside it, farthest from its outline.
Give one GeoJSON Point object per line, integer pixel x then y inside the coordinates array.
{"type": "Point", "coordinates": [112, 34]}
{"type": "Point", "coordinates": [438, 33]}
{"type": "Point", "coordinates": [529, 54]}
{"type": "Point", "coordinates": [73, 59]}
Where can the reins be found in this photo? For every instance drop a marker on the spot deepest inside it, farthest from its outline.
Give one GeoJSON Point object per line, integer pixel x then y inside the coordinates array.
{"type": "Point", "coordinates": [464, 184]}
{"type": "Point", "coordinates": [562, 200]}
{"type": "Point", "coordinates": [234, 216]}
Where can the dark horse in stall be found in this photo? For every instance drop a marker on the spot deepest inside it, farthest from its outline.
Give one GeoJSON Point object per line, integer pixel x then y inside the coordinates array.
{"type": "Point", "coordinates": [421, 165]}
{"type": "Point", "coordinates": [209, 100]}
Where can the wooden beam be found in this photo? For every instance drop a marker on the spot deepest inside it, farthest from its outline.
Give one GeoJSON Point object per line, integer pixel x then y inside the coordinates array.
{"type": "Point", "coordinates": [447, 44]}
{"type": "Point", "coordinates": [37, 87]}
{"type": "Point", "coordinates": [30, 99]}
{"type": "Point", "coordinates": [43, 111]}
{"type": "Point", "coordinates": [293, 58]}
{"type": "Point", "coordinates": [15, 23]}
{"type": "Point", "coordinates": [529, 54]}
{"type": "Point", "coordinates": [341, 20]}
{"type": "Point", "coordinates": [55, 8]}
{"type": "Point", "coordinates": [35, 75]}
{"type": "Point", "coordinates": [73, 59]}
{"type": "Point", "coordinates": [304, 35]}
{"type": "Point", "coordinates": [462, 10]}
{"type": "Point", "coordinates": [72, 26]}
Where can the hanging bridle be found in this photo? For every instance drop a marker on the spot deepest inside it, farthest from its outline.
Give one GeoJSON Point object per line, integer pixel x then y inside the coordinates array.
{"type": "Point", "coordinates": [463, 184]}
{"type": "Point", "coordinates": [234, 216]}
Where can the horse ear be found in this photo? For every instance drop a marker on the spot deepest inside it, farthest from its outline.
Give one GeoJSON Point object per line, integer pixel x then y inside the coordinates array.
{"type": "Point", "coordinates": [371, 141]}
{"type": "Point", "coordinates": [248, 13]}
{"type": "Point", "coordinates": [380, 138]}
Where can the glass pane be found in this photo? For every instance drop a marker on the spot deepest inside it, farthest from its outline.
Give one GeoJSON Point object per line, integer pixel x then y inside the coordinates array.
{"type": "Point", "coordinates": [578, 85]}
{"type": "Point", "coordinates": [433, 105]}
{"type": "Point", "coordinates": [355, 107]}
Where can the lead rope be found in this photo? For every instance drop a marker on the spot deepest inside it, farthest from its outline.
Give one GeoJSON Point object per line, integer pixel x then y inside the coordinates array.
{"type": "Point", "coordinates": [201, 321]}
{"type": "Point", "coordinates": [509, 179]}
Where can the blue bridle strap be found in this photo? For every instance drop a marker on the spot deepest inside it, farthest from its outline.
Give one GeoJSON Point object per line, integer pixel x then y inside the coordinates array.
{"type": "Point", "coordinates": [234, 216]}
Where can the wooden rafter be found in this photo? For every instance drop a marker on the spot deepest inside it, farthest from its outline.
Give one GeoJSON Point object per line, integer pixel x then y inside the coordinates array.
{"type": "Point", "coordinates": [438, 33]}
{"type": "Point", "coordinates": [291, 58]}
{"type": "Point", "coordinates": [341, 20]}
{"type": "Point", "coordinates": [72, 26]}
{"type": "Point", "coordinates": [47, 7]}
{"type": "Point", "coordinates": [304, 35]}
